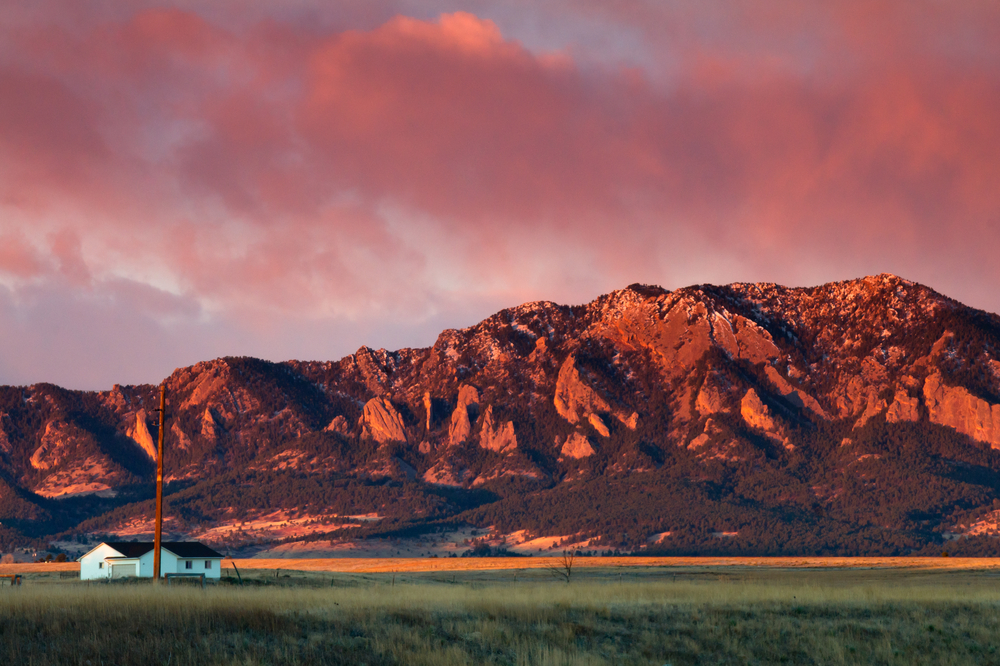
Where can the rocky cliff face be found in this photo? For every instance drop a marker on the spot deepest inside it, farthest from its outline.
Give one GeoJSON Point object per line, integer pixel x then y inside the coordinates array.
{"type": "Point", "coordinates": [703, 383]}
{"type": "Point", "coordinates": [955, 407]}
{"type": "Point", "coordinates": [381, 422]}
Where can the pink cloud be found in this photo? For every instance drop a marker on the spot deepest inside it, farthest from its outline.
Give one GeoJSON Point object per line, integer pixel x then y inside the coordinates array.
{"type": "Point", "coordinates": [274, 170]}
{"type": "Point", "coordinates": [18, 258]}
{"type": "Point", "coordinates": [47, 138]}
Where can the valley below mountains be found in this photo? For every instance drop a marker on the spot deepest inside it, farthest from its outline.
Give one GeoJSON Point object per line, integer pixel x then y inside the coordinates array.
{"type": "Point", "coordinates": [852, 418]}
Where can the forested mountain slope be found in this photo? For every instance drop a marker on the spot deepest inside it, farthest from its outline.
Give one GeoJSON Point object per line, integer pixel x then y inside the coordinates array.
{"type": "Point", "coordinates": [853, 417]}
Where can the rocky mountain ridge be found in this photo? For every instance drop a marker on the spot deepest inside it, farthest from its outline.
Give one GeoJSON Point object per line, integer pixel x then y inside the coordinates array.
{"type": "Point", "coordinates": [777, 408]}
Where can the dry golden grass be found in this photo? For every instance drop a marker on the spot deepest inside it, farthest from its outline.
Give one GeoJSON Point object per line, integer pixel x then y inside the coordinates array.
{"type": "Point", "coordinates": [449, 564]}
{"type": "Point", "coordinates": [697, 615]}
{"type": "Point", "coordinates": [38, 567]}
{"type": "Point", "coordinates": [373, 565]}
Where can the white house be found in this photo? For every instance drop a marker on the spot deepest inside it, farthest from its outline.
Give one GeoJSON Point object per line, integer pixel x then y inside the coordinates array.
{"type": "Point", "coordinates": [120, 559]}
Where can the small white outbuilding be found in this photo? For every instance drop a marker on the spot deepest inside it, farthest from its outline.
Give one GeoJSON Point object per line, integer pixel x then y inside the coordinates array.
{"type": "Point", "coordinates": [125, 559]}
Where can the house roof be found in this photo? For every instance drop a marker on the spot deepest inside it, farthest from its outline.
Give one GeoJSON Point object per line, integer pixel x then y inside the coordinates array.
{"type": "Point", "coordinates": [131, 549]}
{"type": "Point", "coordinates": [189, 549]}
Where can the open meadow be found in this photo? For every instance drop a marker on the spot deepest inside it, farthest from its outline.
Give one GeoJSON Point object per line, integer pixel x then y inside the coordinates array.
{"type": "Point", "coordinates": [697, 612]}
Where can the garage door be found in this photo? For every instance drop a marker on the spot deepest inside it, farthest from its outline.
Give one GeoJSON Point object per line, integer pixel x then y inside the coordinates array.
{"type": "Point", "coordinates": [122, 570]}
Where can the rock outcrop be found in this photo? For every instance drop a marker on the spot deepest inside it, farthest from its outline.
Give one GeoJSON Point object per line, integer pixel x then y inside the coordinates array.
{"type": "Point", "coordinates": [497, 437]}
{"type": "Point", "coordinates": [179, 438]}
{"type": "Point", "coordinates": [209, 425]}
{"type": "Point", "coordinates": [904, 407]}
{"type": "Point", "coordinates": [444, 473]}
{"type": "Point", "coordinates": [70, 462]}
{"type": "Point", "coordinates": [678, 328]}
{"type": "Point", "coordinates": [597, 423]}
{"type": "Point", "coordinates": [756, 413]}
{"type": "Point", "coordinates": [859, 391]}
{"type": "Point", "coordinates": [338, 424]}
{"type": "Point", "coordinates": [577, 446]}
{"type": "Point", "coordinates": [795, 396]}
{"type": "Point", "coordinates": [460, 426]}
{"type": "Point", "coordinates": [381, 422]}
{"type": "Point", "coordinates": [712, 396]}
{"type": "Point", "coordinates": [955, 407]}
{"type": "Point", "coordinates": [203, 383]}
{"type": "Point", "coordinates": [139, 433]}
{"type": "Point", "coordinates": [710, 430]}
{"type": "Point", "coordinates": [54, 447]}
{"type": "Point", "coordinates": [874, 407]}
{"type": "Point", "coordinates": [574, 399]}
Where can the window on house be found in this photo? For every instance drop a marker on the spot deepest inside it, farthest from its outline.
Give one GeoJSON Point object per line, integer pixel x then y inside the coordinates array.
{"type": "Point", "coordinates": [100, 565]}
{"type": "Point", "coordinates": [208, 564]}
{"type": "Point", "coordinates": [189, 564]}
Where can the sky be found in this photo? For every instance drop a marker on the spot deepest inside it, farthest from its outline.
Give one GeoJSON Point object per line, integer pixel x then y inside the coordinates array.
{"type": "Point", "coordinates": [188, 180]}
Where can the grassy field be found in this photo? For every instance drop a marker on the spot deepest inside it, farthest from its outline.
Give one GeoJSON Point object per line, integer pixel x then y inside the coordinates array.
{"type": "Point", "coordinates": [426, 564]}
{"type": "Point", "coordinates": [413, 564]}
{"type": "Point", "coordinates": [610, 615]}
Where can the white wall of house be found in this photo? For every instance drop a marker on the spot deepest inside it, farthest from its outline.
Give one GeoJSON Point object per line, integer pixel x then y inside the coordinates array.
{"type": "Point", "coordinates": [168, 562]}
{"type": "Point", "coordinates": [92, 565]}
{"type": "Point", "coordinates": [211, 567]}
{"type": "Point", "coordinates": [146, 565]}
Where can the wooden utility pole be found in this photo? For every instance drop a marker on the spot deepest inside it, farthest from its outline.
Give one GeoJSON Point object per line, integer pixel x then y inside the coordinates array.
{"type": "Point", "coordinates": [159, 486]}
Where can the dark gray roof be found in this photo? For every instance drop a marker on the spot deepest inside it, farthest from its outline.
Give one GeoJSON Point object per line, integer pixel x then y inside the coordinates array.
{"type": "Point", "coordinates": [178, 548]}
{"type": "Point", "coordinates": [189, 549]}
{"type": "Point", "coordinates": [131, 548]}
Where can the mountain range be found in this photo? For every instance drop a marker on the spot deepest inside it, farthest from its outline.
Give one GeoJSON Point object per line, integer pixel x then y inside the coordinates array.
{"type": "Point", "coordinates": [856, 417]}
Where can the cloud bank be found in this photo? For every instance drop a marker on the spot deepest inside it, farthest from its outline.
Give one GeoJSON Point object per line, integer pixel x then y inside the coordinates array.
{"type": "Point", "coordinates": [177, 184]}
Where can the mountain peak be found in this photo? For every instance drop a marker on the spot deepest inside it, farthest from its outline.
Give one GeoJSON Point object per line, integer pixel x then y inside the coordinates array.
{"type": "Point", "coordinates": [750, 407]}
